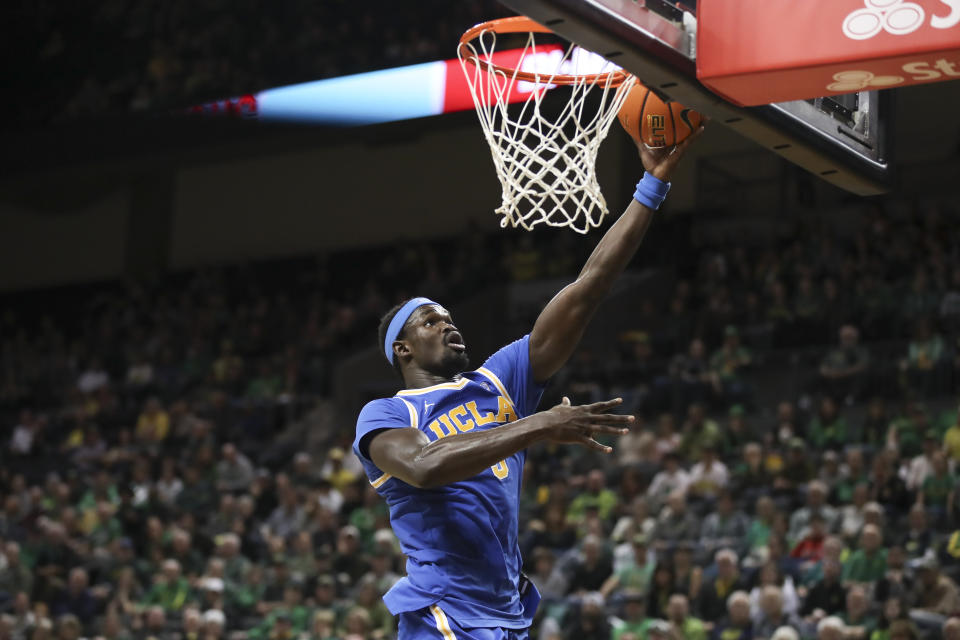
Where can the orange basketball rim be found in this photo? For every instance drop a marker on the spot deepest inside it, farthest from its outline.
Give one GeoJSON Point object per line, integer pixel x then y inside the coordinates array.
{"type": "Point", "coordinates": [523, 24]}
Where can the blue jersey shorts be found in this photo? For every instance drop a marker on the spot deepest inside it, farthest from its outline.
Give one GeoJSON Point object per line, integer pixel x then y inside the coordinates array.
{"type": "Point", "coordinates": [432, 623]}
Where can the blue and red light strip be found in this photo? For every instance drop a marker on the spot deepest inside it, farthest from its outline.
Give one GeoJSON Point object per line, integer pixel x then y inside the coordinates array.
{"type": "Point", "coordinates": [401, 93]}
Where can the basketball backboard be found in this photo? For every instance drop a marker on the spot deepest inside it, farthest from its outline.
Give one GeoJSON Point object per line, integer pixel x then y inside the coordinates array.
{"type": "Point", "coordinates": [844, 139]}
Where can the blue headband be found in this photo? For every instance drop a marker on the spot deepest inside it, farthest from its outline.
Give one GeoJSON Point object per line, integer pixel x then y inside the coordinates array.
{"type": "Point", "coordinates": [398, 321]}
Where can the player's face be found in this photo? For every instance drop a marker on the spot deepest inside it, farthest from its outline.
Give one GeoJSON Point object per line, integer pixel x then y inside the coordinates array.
{"type": "Point", "coordinates": [436, 344]}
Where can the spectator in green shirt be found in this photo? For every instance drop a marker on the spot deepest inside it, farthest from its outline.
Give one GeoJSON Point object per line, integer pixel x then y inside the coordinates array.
{"type": "Point", "coordinates": [103, 487]}
{"type": "Point", "coordinates": [737, 434]}
{"type": "Point", "coordinates": [758, 533]}
{"type": "Point", "coordinates": [828, 429]}
{"type": "Point", "coordinates": [907, 431]}
{"type": "Point", "coordinates": [807, 305]}
{"type": "Point", "coordinates": [860, 624]}
{"type": "Point", "coordinates": [852, 474]}
{"type": "Point", "coordinates": [869, 562]}
{"type": "Point", "coordinates": [235, 564]}
{"type": "Point", "coordinates": [595, 495]}
{"type": "Point", "coordinates": [938, 490]}
{"type": "Point", "coordinates": [366, 596]}
{"type": "Point", "coordinates": [728, 363]}
{"type": "Point", "coordinates": [105, 526]}
{"type": "Point", "coordinates": [842, 369]}
{"type": "Point", "coordinates": [300, 558]}
{"type": "Point", "coordinates": [684, 625]}
{"type": "Point", "coordinates": [652, 629]}
{"type": "Point", "coordinates": [15, 576]}
{"type": "Point", "coordinates": [243, 595]}
{"type": "Point", "coordinates": [875, 424]}
{"type": "Point", "coordinates": [634, 619]}
{"type": "Point", "coordinates": [171, 590]}
{"type": "Point", "coordinates": [267, 385]}
{"type": "Point", "coordinates": [280, 628]}
{"type": "Point", "coordinates": [290, 611]}
{"type": "Point", "coordinates": [698, 431]}
{"type": "Point", "coordinates": [635, 577]}
{"type": "Point", "coordinates": [925, 355]}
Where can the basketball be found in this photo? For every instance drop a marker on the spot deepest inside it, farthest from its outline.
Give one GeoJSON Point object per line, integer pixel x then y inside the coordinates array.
{"type": "Point", "coordinates": [657, 123]}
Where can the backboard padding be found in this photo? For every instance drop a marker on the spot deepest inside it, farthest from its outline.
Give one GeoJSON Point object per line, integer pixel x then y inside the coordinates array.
{"type": "Point", "coordinates": [662, 54]}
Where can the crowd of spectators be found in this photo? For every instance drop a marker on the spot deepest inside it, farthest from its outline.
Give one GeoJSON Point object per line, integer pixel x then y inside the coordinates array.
{"type": "Point", "coordinates": [114, 57]}
{"type": "Point", "coordinates": [738, 515]}
{"type": "Point", "coordinates": [144, 496]}
{"type": "Point", "coordinates": [144, 492]}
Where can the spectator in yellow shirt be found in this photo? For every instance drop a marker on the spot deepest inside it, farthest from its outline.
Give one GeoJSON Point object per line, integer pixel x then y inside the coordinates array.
{"type": "Point", "coordinates": [338, 475]}
{"type": "Point", "coordinates": [153, 425]}
{"type": "Point", "coordinates": [951, 440]}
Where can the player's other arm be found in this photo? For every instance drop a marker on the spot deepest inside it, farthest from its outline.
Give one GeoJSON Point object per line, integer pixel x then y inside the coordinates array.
{"type": "Point", "coordinates": [409, 455]}
{"type": "Point", "coordinates": [561, 323]}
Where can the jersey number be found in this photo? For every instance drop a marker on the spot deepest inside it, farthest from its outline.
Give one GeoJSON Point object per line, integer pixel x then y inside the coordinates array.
{"type": "Point", "coordinates": [501, 470]}
{"type": "Point", "coordinates": [453, 422]}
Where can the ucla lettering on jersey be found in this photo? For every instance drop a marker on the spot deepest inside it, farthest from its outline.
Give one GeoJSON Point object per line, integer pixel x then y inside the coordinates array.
{"type": "Point", "coordinates": [460, 539]}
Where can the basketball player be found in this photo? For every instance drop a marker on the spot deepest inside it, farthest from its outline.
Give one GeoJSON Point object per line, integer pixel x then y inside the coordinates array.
{"type": "Point", "coordinates": [447, 452]}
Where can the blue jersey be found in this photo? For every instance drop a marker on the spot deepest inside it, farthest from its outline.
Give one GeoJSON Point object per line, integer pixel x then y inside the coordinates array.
{"type": "Point", "coordinates": [460, 539]}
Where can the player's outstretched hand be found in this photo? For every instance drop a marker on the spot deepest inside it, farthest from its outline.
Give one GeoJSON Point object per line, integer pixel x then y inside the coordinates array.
{"type": "Point", "coordinates": [661, 161]}
{"type": "Point", "coordinates": [569, 424]}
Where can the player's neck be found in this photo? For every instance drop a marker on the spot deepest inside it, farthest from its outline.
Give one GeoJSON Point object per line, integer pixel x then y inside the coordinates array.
{"type": "Point", "coordinates": [418, 379]}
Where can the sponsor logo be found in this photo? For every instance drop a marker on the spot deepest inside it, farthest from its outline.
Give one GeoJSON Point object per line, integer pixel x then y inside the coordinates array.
{"type": "Point", "coordinates": [685, 116]}
{"type": "Point", "coordinates": [920, 71]}
{"type": "Point", "coordinates": [896, 17]}
{"type": "Point", "coordinates": [850, 81]}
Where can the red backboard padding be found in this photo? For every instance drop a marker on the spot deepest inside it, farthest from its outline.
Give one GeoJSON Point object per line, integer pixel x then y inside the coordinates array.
{"type": "Point", "coordinates": [755, 52]}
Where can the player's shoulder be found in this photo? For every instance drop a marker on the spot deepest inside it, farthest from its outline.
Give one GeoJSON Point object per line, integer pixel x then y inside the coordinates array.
{"type": "Point", "coordinates": [380, 414]}
{"type": "Point", "coordinates": [381, 406]}
{"type": "Point", "coordinates": [516, 349]}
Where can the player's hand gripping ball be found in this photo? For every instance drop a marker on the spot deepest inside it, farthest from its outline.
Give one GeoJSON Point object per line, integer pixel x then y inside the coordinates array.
{"type": "Point", "coordinates": [656, 123]}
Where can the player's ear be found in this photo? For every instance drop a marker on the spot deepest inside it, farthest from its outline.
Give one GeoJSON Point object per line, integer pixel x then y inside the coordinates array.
{"type": "Point", "coordinates": [400, 348]}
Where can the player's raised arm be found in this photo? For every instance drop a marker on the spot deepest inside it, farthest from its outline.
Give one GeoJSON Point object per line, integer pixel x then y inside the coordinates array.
{"type": "Point", "coordinates": [561, 323]}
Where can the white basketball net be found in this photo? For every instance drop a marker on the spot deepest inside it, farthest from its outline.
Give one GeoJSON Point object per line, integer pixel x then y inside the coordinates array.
{"type": "Point", "coordinates": [545, 163]}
